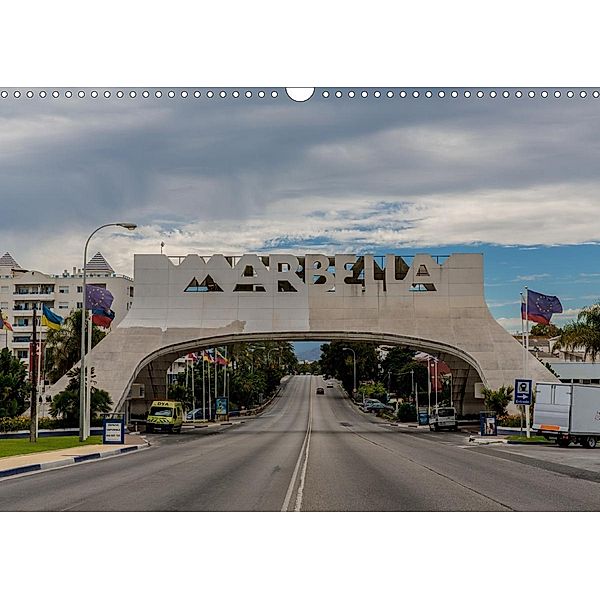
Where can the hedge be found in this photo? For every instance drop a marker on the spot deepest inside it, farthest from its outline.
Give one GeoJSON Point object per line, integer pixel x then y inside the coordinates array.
{"type": "Point", "coordinates": [8, 424]}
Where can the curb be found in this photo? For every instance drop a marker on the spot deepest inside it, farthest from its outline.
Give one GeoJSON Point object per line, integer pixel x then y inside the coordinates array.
{"type": "Point", "coordinates": [517, 443]}
{"type": "Point", "coordinates": [68, 461]}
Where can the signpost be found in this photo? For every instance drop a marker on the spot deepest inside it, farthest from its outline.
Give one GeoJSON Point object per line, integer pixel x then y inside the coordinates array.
{"type": "Point", "coordinates": [113, 430]}
{"type": "Point", "coordinates": [524, 397]}
{"type": "Point", "coordinates": [487, 423]}
{"type": "Point", "coordinates": [222, 408]}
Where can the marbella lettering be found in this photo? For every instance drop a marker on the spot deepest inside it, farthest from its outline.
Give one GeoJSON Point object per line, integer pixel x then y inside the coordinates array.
{"type": "Point", "coordinates": [286, 273]}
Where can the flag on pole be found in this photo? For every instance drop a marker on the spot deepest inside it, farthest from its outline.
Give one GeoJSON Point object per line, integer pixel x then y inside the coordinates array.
{"type": "Point", "coordinates": [221, 360]}
{"type": "Point", "coordinates": [102, 317]}
{"type": "Point", "coordinates": [50, 319]}
{"type": "Point", "coordinates": [539, 308]}
{"type": "Point", "coordinates": [97, 297]}
{"type": "Point", "coordinates": [207, 356]}
{"type": "Point", "coordinates": [4, 323]}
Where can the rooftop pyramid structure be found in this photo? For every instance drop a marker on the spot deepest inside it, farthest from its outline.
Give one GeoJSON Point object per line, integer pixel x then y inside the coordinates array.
{"type": "Point", "coordinates": [8, 261]}
{"type": "Point", "coordinates": [99, 263]}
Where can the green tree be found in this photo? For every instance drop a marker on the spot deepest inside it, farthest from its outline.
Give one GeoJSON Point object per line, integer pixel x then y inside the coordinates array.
{"type": "Point", "coordinates": [541, 330]}
{"type": "Point", "coordinates": [14, 387]}
{"type": "Point", "coordinates": [339, 363]}
{"type": "Point", "coordinates": [65, 405]}
{"type": "Point", "coordinates": [497, 400]}
{"type": "Point", "coordinates": [583, 333]}
{"type": "Point", "coordinates": [373, 390]}
{"type": "Point", "coordinates": [63, 346]}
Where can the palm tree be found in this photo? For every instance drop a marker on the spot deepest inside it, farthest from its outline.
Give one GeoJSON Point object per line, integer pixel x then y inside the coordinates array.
{"type": "Point", "coordinates": [63, 346]}
{"type": "Point", "coordinates": [583, 333]}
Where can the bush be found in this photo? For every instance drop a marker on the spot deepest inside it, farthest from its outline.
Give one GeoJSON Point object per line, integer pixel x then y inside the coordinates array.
{"type": "Point", "coordinates": [8, 424]}
{"type": "Point", "coordinates": [510, 421]}
{"type": "Point", "coordinates": [497, 400]}
{"type": "Point", "coordinates": [407, 412]}
{"type": "Point", "coordinates": [13, 424]}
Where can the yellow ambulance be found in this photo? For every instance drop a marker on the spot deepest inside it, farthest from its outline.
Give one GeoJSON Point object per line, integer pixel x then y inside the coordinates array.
{"type": "Point", "coordinates": [165, 415]}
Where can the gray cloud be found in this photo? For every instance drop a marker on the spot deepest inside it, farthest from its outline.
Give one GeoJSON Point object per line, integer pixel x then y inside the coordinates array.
{"type": "Point", "coordinates": [211, 174]}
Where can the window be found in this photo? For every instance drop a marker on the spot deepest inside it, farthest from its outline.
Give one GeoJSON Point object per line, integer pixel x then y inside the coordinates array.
{"type": "Point", "coordinates": [21, 321]}
{"type": "Point", "coordinates": [63, 305]}
{"type": "Point", "coordinates": [80, 305]}
{"type": "Point", "coordinates": [21, 338]}
{"type": "Point", "coordinates": [4, 289]}
{"type": "Point", "coordinates": [63, 289]}
{"type": "Point", "coordinates": [159, 411]}
{"type": "Point", "coordinates": [79, 291]}
{"type": "Point", "coordinates": [22, 354]}
{"type": "Point", "coordinates": [4, 305]}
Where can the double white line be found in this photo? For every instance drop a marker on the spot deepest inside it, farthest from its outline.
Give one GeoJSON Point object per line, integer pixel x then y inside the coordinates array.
{"type": "Point", "coordinates": [302, 461]}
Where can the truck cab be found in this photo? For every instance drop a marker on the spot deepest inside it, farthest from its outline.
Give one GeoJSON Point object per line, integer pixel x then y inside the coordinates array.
{"type": "Point", "coordinates": [443, 417]}
{"type": "Point", "coordinates": [165, 415]}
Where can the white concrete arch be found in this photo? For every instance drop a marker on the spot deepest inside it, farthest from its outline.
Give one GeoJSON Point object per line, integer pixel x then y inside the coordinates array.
{"type": "Point", "coordinates": [432, 303]}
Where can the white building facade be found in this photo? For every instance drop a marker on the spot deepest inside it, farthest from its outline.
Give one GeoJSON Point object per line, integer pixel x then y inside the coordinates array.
{"type": "Point", "coordinates": [22, 289]}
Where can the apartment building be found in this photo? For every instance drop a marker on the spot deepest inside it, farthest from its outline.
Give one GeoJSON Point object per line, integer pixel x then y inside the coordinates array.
{"type": "Point", "coordinates": [23, 289]}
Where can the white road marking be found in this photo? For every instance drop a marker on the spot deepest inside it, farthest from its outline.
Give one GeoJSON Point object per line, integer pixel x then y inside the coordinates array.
{"type": "Point", "coordinates": [303, 454]}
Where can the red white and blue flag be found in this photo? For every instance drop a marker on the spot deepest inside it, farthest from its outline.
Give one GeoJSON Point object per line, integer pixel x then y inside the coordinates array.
{"type": "Point", "coordinates": [102, 317]}
{"type": "Point", "coordinates": [539, 308]}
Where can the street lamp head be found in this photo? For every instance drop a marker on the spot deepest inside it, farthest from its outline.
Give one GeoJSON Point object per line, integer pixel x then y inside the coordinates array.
{"type": "Point", "coordinates": [130, 226]}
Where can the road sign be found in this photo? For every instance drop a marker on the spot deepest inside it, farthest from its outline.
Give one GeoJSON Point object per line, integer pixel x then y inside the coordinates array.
{"type": "Point", "coordinates": [113, 431]}
{"type": "Point", "coordinates": [487, 423]}
{"type": "Point", "coordinates": [221, 406]}
{"type": "Point", "coordinates": [523, 391]}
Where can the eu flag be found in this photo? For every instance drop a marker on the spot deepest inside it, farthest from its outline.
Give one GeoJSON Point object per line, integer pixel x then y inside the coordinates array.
{"type": "Point", "coordinates": [97, 297]}
{"type": "Point", "coordinates": [540, 307]}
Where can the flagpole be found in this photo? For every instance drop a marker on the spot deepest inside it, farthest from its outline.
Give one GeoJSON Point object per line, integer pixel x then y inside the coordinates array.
{"type": "Point", "coordinates": [203, 390]}
{"type": "Point", "coordinates": [193, 392]}
{"type": "Point", "coordinates": [435, 367]}
{"type": "Point", "coordinates": [527, 418]}
{"type": "Point", "coordinates": [428, 387]}
{"type": "Point", "coordinates": [33, 432]}
{"type": "Point", "coordinates": [523, 317]}
{"type": "Point", "coordinates": [209, 394]}
{"type": "Point", "coordinates": [39, 375]}
{"type": "Point", "coordinates": [88, 376]}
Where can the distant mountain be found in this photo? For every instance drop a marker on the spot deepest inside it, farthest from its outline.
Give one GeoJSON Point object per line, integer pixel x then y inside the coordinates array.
{"type": "Point", "coordinates": [308, 350]}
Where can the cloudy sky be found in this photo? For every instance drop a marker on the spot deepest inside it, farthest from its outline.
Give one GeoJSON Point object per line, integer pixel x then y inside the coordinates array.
{"type": "Point", "coordinates": [514, 178]}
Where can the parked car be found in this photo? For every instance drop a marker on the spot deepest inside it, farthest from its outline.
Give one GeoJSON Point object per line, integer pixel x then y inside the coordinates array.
{"type": "Point", "coordinates": [320, 390]}
{"type": "Point", "coordinates": [375, 406]}
{"type": "Point", "coordinates": [443, 418]}
{"type": "Point", "coordinates": [195, 415]}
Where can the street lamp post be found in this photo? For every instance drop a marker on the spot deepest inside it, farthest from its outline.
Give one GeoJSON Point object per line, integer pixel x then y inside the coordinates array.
{"type": "Point", "coordinates": [84, 419]}
{"type": "Point", "coordinates": [435, 366]}
{"type": "Point", "coordinates": [354, 390]}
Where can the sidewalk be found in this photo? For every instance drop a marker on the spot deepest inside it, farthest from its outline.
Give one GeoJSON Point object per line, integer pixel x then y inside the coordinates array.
{"type": "Point", "coordinates": [40, 461]}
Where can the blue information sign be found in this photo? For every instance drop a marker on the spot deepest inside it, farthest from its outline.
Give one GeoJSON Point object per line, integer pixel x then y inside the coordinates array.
{"type": "Point", "coordinates": [423, 418]}
{"type": "Point", "coordinates": [221, 406]}
{"type": "Point", "coordinates": [523, 391]}
{"type": "Point", "coordinates": [487, 423]}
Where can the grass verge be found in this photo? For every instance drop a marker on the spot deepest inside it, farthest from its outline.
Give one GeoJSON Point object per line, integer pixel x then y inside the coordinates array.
{"type": "Point", "coordinates": [24, 446]}
{"type": "Point", "coordinates": [525, 440]}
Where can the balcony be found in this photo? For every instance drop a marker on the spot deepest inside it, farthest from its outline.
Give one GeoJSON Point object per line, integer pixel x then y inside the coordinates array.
{"type": "Point", "coordinates": [33, 292]}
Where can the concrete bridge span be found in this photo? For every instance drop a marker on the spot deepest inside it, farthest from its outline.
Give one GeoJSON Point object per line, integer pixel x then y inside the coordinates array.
{"type": "Point", "coordinates": [435, 304]}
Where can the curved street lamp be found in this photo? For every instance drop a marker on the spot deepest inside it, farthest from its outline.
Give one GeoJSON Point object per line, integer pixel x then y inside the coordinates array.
{"type": "Point", "coordinates": [84, 410]}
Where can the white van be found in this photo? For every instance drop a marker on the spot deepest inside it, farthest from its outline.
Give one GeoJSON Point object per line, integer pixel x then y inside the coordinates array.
{"type": "Point", "coordinates": [443, 417]}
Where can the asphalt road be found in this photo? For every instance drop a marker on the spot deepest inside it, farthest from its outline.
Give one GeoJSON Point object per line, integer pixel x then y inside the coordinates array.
{"type": "Point", "coordinates": [309, 453]}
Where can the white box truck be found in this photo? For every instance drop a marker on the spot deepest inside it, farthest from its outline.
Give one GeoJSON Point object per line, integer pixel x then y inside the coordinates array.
{"type": "Point", "coordinates": [568, 412]}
